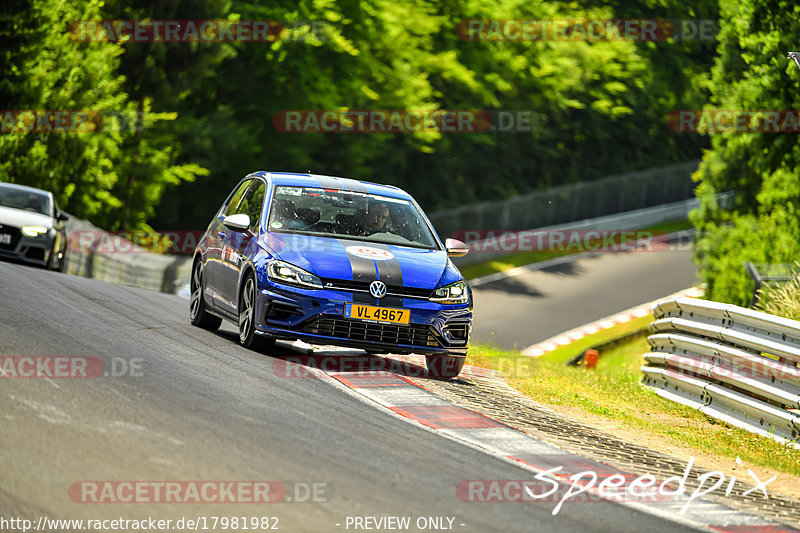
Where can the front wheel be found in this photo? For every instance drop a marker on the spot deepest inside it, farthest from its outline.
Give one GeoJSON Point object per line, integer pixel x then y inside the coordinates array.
{"type": "Point", "coordinates": [247, 314]}
{"type": "Point", "coordinates": [444, 366]}
{"type": "Point", "coordinates": [197, 305]}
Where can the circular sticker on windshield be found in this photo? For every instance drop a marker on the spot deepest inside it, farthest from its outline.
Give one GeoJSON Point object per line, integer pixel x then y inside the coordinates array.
{"type": "Point", "coordinates": [368, 252]}
{"type": "Point", "coordinates": [277, 225]}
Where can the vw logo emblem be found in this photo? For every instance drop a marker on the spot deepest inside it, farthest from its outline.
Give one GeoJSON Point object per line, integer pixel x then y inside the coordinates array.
{"type": "Point", "coordinates": [377, 289]}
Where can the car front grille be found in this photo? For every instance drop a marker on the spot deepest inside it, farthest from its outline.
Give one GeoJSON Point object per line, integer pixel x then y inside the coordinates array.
{"type": "Point", "coordinates": [363, 286]}
{"type": "Point", "coordinates": [15, 236]}
{"type": "Point", "coordinates": [356, 330]}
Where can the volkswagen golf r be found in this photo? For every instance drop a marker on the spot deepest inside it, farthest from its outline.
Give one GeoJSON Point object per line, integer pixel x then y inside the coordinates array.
{"type": "Point", "coordinates": [332, 261]}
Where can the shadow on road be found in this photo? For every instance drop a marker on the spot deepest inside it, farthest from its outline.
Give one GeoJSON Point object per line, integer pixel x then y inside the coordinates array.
{"type": "Point", "coordinates": [511, 286]}
{"type": "Point", "coordinates": [518, 286]}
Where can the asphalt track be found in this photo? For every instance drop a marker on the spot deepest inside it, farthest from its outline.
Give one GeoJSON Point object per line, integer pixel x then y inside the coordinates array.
{"type": "Point", "coordinates": [522, 310]}
{"type": "Point", "coordinates": [205, 408]}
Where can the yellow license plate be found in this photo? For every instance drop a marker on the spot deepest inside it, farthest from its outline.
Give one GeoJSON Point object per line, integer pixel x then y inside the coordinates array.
{"type": "Point", "coordinates": [379, 314]}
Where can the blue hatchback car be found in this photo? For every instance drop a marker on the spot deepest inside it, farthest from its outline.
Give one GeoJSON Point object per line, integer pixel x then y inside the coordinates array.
{"type": "Point", "coordinates": [332, 261]}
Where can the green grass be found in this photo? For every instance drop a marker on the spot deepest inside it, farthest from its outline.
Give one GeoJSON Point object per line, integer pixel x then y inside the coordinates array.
{"type": "Point", "coordinates": [562, 354]}
{"type": "Point", "coordinates": [612, 392]}
{"type": "Point", "coordinates": [518, 259]}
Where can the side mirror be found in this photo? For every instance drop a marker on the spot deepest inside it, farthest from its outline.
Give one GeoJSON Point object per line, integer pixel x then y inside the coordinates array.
{"type": "Point", "coordinates": [62, 216]}
{"type": "Point", "coordinates": [239, 222]}
{"type": "Point", "coordinates": [455, 248]}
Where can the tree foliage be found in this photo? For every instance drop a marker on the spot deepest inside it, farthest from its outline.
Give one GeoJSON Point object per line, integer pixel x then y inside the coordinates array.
{"type": "Point", "coordinates": [751, 73]}
{"type": "Point", "coordinates": [599, 107]}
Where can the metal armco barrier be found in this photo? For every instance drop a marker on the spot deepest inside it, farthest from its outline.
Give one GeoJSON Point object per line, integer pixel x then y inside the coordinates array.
{"type": "Point", "coordinates": [158, 272]}
{"type": "Point", "coordinates": [731, 363]}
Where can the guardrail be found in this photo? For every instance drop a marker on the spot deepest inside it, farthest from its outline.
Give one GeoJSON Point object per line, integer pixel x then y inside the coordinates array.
{"type": "Point", "coordinates": [731, 363]}
{"type": "Point", "coordinates": [98, 254]}
{"type": "Point", "coordinates": [572, 202]}
{"type": "Point", "coordinates": [630, 220]}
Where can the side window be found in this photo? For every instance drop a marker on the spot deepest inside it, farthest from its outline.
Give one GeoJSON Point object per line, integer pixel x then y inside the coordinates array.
{"type": "Point", "coordinates": [230, 209]}
{"type": "Point", "coordinates": [252, 204]}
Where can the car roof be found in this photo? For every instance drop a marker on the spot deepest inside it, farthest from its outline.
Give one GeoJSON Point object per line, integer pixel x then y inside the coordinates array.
{"type": "Point", "coordinates": [24, 188]}
{"type": "Point", "coordinates": [332, 182]}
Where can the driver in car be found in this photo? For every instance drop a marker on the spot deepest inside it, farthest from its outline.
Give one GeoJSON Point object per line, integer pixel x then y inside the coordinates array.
{"type": "Point", "coordinates": [375, 219]}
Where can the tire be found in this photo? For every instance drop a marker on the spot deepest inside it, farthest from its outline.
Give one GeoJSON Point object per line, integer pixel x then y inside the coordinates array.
{"type": "Point", "coordinates": [197, 306]}
{"type": "Point", "coordinates": [444, 366]}
{"type": "Point", "coordinates": [247, 311]}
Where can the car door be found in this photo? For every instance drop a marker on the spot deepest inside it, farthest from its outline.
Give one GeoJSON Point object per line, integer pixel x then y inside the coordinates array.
{"type": "Point", "coordinates": [217, 232]}
{"type": "Point", "coordinates": [236, 243]}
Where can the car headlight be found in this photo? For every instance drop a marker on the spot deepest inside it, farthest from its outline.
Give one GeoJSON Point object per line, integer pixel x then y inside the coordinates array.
{"type": "Point", "coordinates": [455, 293]}
{"type": "Point", "coordinates": [34, 231]}
{"type": "Point", "coordinates": [289, 274]}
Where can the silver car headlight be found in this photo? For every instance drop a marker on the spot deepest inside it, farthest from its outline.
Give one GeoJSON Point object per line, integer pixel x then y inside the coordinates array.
{"type": "Point", "coordinates": [455, 293]}
{"type": "Point", "coordinates": [34, 231]}
{"type": "Point", "coordinates": [287, 273]}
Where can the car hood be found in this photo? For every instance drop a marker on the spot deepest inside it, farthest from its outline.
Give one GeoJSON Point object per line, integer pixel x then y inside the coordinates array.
{"type": "Point", "coordinates": [22, 217]}
{"type": "Point", "coordinates": [354, 260]}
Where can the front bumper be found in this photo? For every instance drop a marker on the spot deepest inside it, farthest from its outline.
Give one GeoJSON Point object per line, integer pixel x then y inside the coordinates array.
{"type": "Point", "coordinates": [317, 317]}
{"type": "Point", "coordinates": [33, 250]}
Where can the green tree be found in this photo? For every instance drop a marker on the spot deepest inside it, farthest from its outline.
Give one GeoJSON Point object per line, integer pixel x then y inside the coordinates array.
{"type": "Point", "coordinates": [600, 107]}
{"type": "Point", "coordinates": [759, 168]}
{"type": "Point", "coordinates": [114, 173]}
{"type": "Point", "coordinates": [44, 69]}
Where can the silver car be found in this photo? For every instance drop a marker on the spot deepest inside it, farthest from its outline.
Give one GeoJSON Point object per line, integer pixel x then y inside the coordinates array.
{"type": "Point", "coordinates": [32, 227]}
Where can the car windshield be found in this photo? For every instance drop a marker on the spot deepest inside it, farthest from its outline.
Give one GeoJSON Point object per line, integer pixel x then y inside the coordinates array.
{"type": "Point", "coordinates": [348, 214]}
{"type": "Point", "coordinates": [24, 199]}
